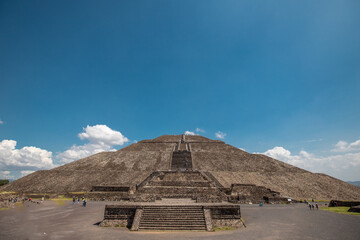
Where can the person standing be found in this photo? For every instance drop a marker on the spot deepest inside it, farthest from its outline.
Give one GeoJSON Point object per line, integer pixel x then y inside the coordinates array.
{"type": "Point", "coordinates": [317, 206]}
{"type": "Point", "coordinates": [73, 200]}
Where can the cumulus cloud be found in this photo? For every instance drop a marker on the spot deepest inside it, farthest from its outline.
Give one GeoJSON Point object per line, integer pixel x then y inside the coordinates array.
{"type": "Point", "coordinates": [101, 138]}
{"type": "Point", "coordinates": [189, 133]}
{"type": "Point", "coordinates": [316, 163]}
{"type": "Point", "coordinates": [102, 134]}
{"type": "Point", "coordinates": [5, 175]}
{"type": "Point", "coordinates": [199, 130]}
{"type": "Point", "coordinates": [1, 122]}
{"type": "Point", "coordinates": [220, 135]}
{"type": "Point", "coordinates": [342, 146]}
{"type": "Point", "coordinates": [303, 159]}
{"type": "Point", "coordinates": [27, 172]}
{"type": "Point", "coordinates": [26, 157]}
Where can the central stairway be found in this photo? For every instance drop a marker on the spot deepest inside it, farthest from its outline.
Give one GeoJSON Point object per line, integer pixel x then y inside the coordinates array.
{"type": "Point", "coordinates": [172, 217]}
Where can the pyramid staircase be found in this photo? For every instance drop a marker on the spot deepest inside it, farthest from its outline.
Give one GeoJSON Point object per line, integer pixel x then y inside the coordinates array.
{"type": "Point", "coordinates": [181, 184]}
{"type": "Point", "coordinates": [172, 217]}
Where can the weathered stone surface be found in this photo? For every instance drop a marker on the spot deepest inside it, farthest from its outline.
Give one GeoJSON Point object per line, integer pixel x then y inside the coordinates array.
{"type": "Point", "coordinates": [114, 223]}
{"type": "Point", "coordinates": [229, 165]}
{"type": "Point", "coordinates": [137, 218]}
{"type": "Point", "coordinates": [354, 209]}
{"type": "Point", "coordinates": [208, 220]}
{"type": "Point", "coordinates": [337, 203]}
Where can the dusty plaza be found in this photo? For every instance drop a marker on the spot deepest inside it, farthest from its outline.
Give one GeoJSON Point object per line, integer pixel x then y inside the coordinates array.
{"type": "Point", "coordinates": [52, 221]}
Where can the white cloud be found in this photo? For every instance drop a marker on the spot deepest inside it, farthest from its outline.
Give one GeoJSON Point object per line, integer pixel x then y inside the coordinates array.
{"type": "Point", "coordinates": [200, 130]}
{"type": "Point", "coordinates": [6, 175]}
{"type": "Point", "coordinates": [189, 133]}
{"type": "Point", "coordinates": [311, 162]}
{"type": "Point", "coordinates": [303, 159]}
{"type": "Point", "coordinates": [102, 134]}
{"type": "Point", "coordinates": [343, 146]}
{"type": "Point", "coordinates": [28, 157]}
{"type": "Point", "coordinates": [220, 135]}
{"type": "Point", "coordinates": [101, 138]}
{"type": "Point", "coordinates": [1, 122]}
{"type": "Point", "coordinates": [27, 172]}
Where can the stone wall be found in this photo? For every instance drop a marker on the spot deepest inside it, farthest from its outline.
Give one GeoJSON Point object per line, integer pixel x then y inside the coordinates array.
{"type": "Point", "coordinates": [225, 215]}
{"type": "Point", "coordinates": [107, 196]}
{"type": "Point", "coordinates": [110, 188]}
{"type": "Point", "coordinates": [337, 203]}
{"type": "Point", "coordinates": [118, 216]}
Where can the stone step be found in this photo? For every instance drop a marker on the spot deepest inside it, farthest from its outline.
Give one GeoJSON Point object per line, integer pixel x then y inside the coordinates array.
{"type": "Point", "coordinates": [183, 213]}
{"type": "Point", "coordinates": [174, 210]}
{"type": "Point", "coordinates": [169, 215]}
{"type": "Point", "coordinates": [173, 206]}
{"type": "Point", "coordinates": [163, 224]}
{"type": "Point", "coordinates": [172, 218]}
{"type": "Point", "coordinates": [174, 228]}
{"type": "Point", "coordinates": [171, 223]}
{"type": "Point", "coordinates": [172, 214]}
{"type": "Point", "coordinates": [146, 218]}
{"type": "Point", "coordinates": [160, 225]}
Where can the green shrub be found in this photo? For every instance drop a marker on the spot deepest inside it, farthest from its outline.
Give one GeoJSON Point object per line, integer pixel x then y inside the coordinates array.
{"type": "Point", "coordinates": [3, 182]}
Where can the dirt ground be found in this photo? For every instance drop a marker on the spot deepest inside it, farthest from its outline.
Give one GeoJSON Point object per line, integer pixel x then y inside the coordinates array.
{"type": "Point", "coordinates": [52, 221]}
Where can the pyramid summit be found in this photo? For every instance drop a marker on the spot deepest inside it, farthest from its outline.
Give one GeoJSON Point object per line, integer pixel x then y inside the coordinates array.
{"type": "Point", "coordinates": [166, 164]}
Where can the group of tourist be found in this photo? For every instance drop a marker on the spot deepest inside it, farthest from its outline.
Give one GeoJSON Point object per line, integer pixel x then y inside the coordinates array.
{"type": "Point", "coordinates": [24, 200]}
{"type": "Point", "coordinates": [13, 199]}
{"type": "Point", "coordinates": [78, 200]}
{"type": "Point", "coordinates": [312, 207]}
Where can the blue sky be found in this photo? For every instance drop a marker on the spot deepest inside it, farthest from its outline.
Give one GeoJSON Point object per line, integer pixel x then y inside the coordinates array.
{"type": "Point", "coordinates": [269, 74]}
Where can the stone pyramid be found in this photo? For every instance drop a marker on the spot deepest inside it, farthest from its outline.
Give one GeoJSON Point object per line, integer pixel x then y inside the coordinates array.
{"type": "Point", "coordinates": [228, 166]}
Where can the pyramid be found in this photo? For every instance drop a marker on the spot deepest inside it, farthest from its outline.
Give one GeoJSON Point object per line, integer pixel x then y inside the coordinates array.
{"type": "Point", "coordinates": [221, 165]}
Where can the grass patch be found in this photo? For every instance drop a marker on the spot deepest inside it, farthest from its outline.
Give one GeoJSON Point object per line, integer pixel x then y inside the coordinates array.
{"type": "Point", "coordinates": [224, 228]}
{"type": "Point", "coordinates": [4, 208]}
{"type": "Point", "coordinates": [61, 201]}
{"type": "Point", "coordinates": [343, 210]}
{"type": "Point", "coordinates": [5, 192]}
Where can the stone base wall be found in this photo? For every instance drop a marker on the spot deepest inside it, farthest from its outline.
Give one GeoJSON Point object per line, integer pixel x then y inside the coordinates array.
{"type": "Point", "coordinates": [209, 199]}
{"type": "Point", "coordinates": [107, 196]}
{"type": "Point", "coordinates": [255, 200]}
{"type": "Point", "coordinates": [227, 223]}
{"type": "Point", "coordinates": [354, 209]}
{"type": "Point", "coordinates": [115, 223]}
{"type": "Point", "coordinates": [336, 203]}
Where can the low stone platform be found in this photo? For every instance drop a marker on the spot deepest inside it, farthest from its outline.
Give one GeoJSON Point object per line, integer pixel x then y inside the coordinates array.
{"type": "Point", "coordinates": [173, 214]}
{"type": "Point", "coordinates": [354, 209]}
{"type": "Point", "coordinates": [337, 203]}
